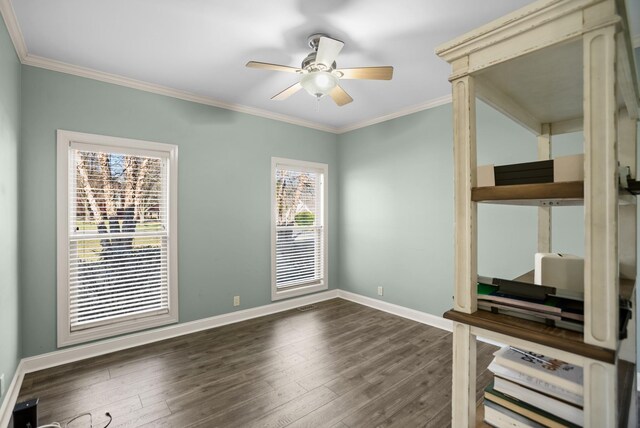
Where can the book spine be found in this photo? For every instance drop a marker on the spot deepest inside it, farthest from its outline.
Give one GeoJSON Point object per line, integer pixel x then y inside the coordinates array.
{"type": "Point", "coordinates": [553, 406]}
{"type": "Point", "coordinates": [541, 376]}
{"type": "Point", "coordinates": [537, 384]}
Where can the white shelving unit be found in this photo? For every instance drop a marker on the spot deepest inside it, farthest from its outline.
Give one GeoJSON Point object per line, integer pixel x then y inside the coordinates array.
{"type": "Point", "coordinates": [554, 66]}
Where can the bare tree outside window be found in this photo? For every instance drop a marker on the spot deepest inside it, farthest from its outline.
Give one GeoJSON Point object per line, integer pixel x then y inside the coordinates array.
{"type": "Point", "coordinates": [119, 202]}
{"type": "Point", "coordinates": [298, 231]}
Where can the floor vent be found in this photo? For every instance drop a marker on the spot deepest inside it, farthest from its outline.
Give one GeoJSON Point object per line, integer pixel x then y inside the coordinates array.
{"type": "Point", "coordinates": [306, 308]}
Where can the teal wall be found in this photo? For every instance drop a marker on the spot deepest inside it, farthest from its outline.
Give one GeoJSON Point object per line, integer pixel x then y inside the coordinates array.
{"type": "Point", "coordinates": [9, 135]}
{"type": "Point", "coordinates": [396, 208]}
{"type": "Point", "coordinates": [223, 197]}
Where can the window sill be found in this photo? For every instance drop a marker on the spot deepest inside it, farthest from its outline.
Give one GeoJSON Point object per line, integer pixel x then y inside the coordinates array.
{"type": "Point", "coordinates": [298, 291]}
{"type": "Point", "coordinates": [67, 338]}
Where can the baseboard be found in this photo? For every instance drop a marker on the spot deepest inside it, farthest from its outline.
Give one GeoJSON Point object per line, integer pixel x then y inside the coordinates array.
{"type": "Point", "coordinates": [404, 312]}
{"type": "Point", "coordinates": [11, 395]}
{"type": "Point", "coordinates": [401, 311]}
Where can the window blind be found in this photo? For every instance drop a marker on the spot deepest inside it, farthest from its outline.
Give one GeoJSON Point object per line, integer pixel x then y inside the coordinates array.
{"type": "Point", "coordinates": [118, 236]}
{"type": "Point", "coordinates": [299, 227]}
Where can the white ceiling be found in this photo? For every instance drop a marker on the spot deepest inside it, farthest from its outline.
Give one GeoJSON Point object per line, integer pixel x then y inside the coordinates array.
{"type": "Point", "coordinates": [201, 46]}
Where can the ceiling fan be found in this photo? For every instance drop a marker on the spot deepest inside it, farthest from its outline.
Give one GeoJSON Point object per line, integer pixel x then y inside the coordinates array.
{"type": "Point", "coordinates": [319, 72]}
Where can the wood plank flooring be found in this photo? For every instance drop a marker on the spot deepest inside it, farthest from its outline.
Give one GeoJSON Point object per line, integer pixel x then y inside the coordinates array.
{"type": "Point", "coordinates": [338, 365]}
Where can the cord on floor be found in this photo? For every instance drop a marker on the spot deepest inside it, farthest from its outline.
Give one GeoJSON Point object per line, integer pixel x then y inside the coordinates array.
{"type": "Point", "coordinates": [57, 425]}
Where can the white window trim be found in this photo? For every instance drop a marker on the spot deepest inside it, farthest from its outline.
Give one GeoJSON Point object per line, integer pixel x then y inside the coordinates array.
{"type": "Point", "coordinates": [65, 335]}
{"type": "Point", "coordinates": [304, 289]}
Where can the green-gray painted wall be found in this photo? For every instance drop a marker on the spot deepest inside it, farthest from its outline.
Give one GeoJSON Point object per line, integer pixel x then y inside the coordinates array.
{"type": "Point", "coordinates": [391, 203]}
{"type": "Point", "coordinates": [9, 136]}
{"type": "Point", "coordinates": [223, 198]}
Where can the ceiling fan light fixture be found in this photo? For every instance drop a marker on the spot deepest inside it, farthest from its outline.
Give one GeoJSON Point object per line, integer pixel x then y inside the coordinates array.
{"type": "Point", "coordinates": [319, 83]}
{"type": "Point", "coordinates": [319, 73]}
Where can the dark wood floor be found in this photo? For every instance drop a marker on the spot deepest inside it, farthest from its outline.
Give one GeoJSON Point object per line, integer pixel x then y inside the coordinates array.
{"type": "Point", "coordinates": [338, 365]}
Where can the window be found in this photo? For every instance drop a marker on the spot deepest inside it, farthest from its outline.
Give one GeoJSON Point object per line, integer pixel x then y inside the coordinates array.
{"type": "Point", "coordinates": [117, 252]}
{"type": "Point", "coordinates": [298, 228]}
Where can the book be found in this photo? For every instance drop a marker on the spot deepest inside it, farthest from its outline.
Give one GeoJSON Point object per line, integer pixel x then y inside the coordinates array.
{"type": "Point", "coordinates": [519, 289]}
{"type": "Point", "coordinates": [491, 293]}
{"type": "Point", "coordinates": [553, 371]}
{"type": "Point", "coordinates": [526, 410]}
{"type": "Point", "coordinates": [524, 173]}
{"type": "Point", "coordinates": [501, 417]}
{"type": "Point", "coordinates": [544, 402]}
{"type": "Point", "coordinates": [488, 305]}
{"type": "Point", "coordinates": [550, 319]}
{"type": "Point", "coordinates": [536, 384]}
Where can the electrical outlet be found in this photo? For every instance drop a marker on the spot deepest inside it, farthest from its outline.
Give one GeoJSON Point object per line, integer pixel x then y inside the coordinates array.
{"type": "Point", "coordinates": [2, 385]}
{"type": "Point", "coordinates": [236, 300]}
{"type": "Point", "coordinates": [380, 291]}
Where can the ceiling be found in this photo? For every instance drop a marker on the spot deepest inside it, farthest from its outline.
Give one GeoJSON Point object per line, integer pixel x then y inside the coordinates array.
{"type": "Point", "coordinates": [201, 46]}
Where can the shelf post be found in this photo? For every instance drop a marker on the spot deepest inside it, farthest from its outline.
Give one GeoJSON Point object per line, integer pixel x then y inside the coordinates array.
{"type": "Point", "coordinates": [627, 150]}
{"type": "Point", "coordinates": [600, 189]}
{"type": "Point", "coordinates": [627, 154]}
{"type": "Point", "coordinates": [466, 223]}
{"type": "Point", "coordinates": [544, 213]}
{"type": "Point", "coordinates": [463, 398]}
{"type": "Point", "coordinates": [600, 394]}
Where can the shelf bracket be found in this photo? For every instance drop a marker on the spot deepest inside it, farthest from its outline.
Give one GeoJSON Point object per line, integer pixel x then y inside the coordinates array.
{"type": "Point", "coordinates": [500, 101]}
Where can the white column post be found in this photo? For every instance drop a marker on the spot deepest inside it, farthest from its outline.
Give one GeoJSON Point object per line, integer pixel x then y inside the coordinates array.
{"type": "Point", "coordinates": [463, 398]}
{"type": "Point", "coordinates": [466, 223]}
{"type": "Point", "coordinates": [600, 189]}
{"type": "Point", "coordinates": [627, 150]}
{"type": "Point", "coordinates": [600, 394]}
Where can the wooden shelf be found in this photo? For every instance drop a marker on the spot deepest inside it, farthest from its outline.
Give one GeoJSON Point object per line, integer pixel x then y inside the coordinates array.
{"type": "Point", "coordinates": [555, 337]}
{"type": "Point", "coordinates": [587, 55]}
{"type": "Point", "coordinates": [569, 193]}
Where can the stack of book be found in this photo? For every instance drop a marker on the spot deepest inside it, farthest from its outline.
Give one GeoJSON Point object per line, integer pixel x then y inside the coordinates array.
{"type": "Point", "coordinates": [531, 390]}
{"type": "Point", "coordinates": [555, 307]}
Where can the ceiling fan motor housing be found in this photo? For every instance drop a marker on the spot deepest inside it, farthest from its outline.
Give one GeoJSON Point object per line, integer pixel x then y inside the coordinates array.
{"type": "Point", "coordinates": [309, 64]}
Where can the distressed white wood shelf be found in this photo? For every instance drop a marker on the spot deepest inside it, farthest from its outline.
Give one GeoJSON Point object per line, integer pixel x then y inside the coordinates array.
{"type": "Point", "coordinates": [540, 194]}
{"type": "Point", "coordinates": [553, 66]}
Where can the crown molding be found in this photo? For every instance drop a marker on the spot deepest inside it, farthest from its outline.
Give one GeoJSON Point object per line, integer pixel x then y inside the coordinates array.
{"type": "Point", "coordinates": [404, 112]}
{"type": "Point", "coordinates": [62, 67]}
{"type": "Point", "coordinates": [11, 21]}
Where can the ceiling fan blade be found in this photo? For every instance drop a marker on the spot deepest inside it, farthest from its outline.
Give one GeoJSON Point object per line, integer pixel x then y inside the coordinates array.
{"type": "Point", "coordinates": [328, 50]}
{"type": "Point", "coordinates": [371, 73]}
{"type": "Point", "coordinates": [287, 92]}
{"type": "Point", "coordinates": [340, 96]}
{"type": "Point", "coordinates": [274, 67]}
